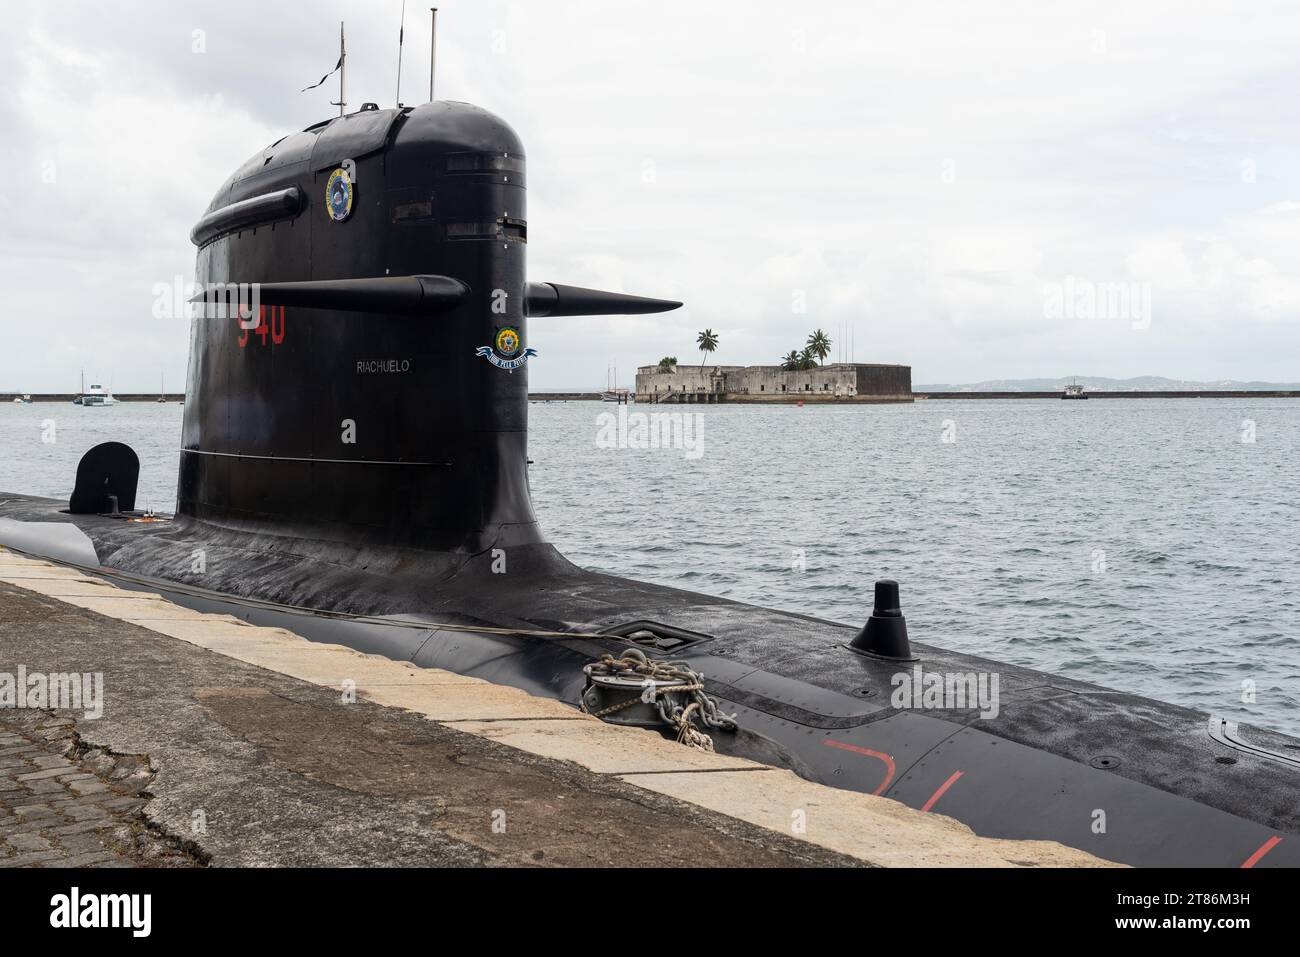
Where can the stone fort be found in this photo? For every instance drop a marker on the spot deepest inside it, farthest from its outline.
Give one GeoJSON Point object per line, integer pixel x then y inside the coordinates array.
{"type": "Point", "coordinates": [836, 382]}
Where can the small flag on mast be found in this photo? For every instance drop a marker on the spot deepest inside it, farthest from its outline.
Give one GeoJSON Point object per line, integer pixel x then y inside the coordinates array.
{"type": "Point", "coordinates": [324, 78]}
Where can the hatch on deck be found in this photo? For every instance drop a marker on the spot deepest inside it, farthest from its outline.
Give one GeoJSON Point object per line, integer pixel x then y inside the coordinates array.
{"type": "Point", "coordinates": [656, 635]}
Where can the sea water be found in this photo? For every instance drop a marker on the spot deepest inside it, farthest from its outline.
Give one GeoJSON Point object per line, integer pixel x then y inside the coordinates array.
{"type": "Point", "coordinates": [1149, 545]}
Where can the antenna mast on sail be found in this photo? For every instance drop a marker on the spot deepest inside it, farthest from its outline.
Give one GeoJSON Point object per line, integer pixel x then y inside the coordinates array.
{"type": "Point", "coordinates": [433, 47]}
{"type": "Point", "coordinates": [342, 104]}
{"type": "Point", "coordinates": [401, 35]}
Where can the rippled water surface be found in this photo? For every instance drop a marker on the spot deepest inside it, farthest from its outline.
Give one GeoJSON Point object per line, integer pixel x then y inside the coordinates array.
{"type": "Point", "coordinates": [1140, 544]}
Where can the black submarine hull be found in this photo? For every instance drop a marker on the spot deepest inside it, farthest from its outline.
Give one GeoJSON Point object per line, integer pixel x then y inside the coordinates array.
{"type": "Point", "coordinates": [353, 467]}
{"type": "Point", "coordinates": [1123, 777]}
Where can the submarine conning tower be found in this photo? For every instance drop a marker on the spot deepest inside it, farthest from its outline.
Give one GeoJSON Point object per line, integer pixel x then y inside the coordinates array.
{"type": "Point", "coordinates": [379, 396]}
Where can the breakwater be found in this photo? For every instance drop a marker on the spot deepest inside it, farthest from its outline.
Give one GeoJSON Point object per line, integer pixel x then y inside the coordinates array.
{"type": "Point", "coordinates": [119, 396]}
{"type": "Point", "coordinates": [1134, 394]}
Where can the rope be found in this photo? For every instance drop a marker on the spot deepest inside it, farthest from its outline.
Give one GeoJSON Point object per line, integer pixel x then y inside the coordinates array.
{"type": "Point", "coordinates": [633, 663]}
{"type": "Point", "coordinates": [681, 680]}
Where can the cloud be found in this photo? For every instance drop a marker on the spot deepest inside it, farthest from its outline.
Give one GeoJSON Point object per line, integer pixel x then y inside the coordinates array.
{"type": "Point", "coordinates": [1248, 270]}
{"type": "Point", "coordinates": [919, 172]}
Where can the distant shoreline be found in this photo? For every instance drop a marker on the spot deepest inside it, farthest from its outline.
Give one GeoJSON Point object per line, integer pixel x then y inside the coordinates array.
{"type": "Point", "coordinates": [1125, 394]}
{"type": "Point", "coordinates": [815, 398]}
{"type": "Point", "coordinates": [919, 396]}
{"type": "Point", "coordinates": [69, 396]}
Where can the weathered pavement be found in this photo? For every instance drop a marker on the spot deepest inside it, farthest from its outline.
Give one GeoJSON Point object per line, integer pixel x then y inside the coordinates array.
{"type": "Point", "coordinates": [64, 805]}
{"type": "Point", "coordinates": [227, 764]}
{"type": "Point", "coordinates": [225, 744]}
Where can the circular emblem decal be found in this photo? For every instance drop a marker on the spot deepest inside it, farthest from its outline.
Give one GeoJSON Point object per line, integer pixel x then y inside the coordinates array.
{"type": "Point", "coordinates": [507, 350]}
{"type": "Point", "coordinates": [508, 341]}
{"type": "Point", "coordinates": [338, 195]}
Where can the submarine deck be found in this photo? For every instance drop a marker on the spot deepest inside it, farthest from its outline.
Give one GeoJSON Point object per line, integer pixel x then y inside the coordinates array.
{"type": "Point", "coordinates": [227, 744]}
{"type": "Point", "coordinates": [1171, 789]}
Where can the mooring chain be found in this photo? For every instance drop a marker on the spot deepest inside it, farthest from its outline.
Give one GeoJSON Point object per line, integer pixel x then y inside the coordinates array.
{"type": "Point", "coordinates": [682, 680]}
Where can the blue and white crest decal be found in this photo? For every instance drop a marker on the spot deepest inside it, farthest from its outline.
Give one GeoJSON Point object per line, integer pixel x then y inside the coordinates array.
{"type": "Point", "coordinates": [338, 195]}
{"type": "Point", "coordinates": [507, 350]}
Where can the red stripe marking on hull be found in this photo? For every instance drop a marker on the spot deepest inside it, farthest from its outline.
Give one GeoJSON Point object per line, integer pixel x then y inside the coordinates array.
{"type": "Point", "coordinates": [889, 762]}
{"type": "Point", "coordinates": [1267, 846]}
{"type": "Point", "coordinates": [925, 808]}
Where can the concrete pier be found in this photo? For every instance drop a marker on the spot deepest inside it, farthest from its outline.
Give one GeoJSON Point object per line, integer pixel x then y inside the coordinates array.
{"type": "Point", "coordinates": [222, 743]}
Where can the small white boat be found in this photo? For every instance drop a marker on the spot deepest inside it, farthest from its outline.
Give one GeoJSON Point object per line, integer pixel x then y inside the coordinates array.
{"type": "Point", "coordinates": [97, 395]}
{"type": "Point", "coordinates": [1074, 391]}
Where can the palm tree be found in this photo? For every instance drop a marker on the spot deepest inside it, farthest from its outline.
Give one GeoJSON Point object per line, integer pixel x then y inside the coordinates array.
{"type": "Point", "coordinates": [807, 360]}
{"type": "Point", "coordinates": [790, 361]}
{"type": "Point", "coordinates": [819, 344]}
{"type": "Point", "coordinates": [707, 341]}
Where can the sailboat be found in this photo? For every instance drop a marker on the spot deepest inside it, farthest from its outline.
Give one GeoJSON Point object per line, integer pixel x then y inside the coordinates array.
{"type": "Point", "coordinates": [612, 392]}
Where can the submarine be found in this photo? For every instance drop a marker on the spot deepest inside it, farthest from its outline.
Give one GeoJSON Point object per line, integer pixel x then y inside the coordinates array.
{"type": "Point", "coordinates": [353, 466]}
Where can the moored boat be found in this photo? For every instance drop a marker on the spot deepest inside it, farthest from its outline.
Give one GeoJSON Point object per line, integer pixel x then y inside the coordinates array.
{"type": "Point", "coordinates": [96, 396]}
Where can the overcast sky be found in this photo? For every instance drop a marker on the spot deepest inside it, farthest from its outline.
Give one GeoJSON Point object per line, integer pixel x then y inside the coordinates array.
{"type": "Point", "coordinates": [926, 172]}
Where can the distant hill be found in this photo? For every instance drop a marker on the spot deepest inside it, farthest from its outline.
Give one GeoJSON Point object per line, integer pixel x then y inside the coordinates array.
{"type": "Point", "coordinates": [1144, 383]}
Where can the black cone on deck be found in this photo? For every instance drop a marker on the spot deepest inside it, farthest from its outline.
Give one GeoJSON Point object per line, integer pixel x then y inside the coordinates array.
{"type": "Point", "coordinates": [885, 633]}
